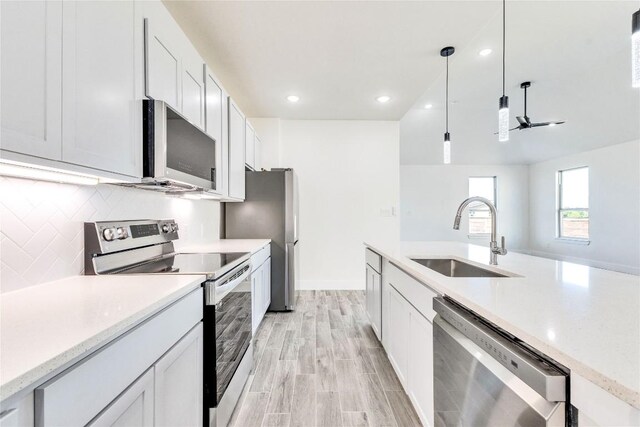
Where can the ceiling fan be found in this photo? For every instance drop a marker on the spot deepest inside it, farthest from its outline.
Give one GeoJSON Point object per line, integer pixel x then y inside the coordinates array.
{"type": "Point", "coordinates": [524, 121]}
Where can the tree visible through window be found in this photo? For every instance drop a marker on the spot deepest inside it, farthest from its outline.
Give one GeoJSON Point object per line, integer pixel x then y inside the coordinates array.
{"type": "Point", "coordinates": [479, 214]}
{"type": "Point", "coordinates": [573, 203]}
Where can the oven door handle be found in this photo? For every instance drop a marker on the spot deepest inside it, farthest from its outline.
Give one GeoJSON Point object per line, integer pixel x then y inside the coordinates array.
{"type": "Point", "coordinates": [215, 290]}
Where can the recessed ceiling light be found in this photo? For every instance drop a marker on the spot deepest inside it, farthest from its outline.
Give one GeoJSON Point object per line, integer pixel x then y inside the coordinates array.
{"type": "Point", "coordinates": [293, 98]}
{"type": "Point", "coordinates": [384, 98]}
{"type": "Point", "coordinates": [428, 106]}
{"type": "Point", "coordinates": [485, 52]}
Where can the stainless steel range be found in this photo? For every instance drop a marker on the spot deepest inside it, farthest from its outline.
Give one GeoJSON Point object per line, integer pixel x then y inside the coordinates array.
{"type": "Point", "coordinates": [146, 247]}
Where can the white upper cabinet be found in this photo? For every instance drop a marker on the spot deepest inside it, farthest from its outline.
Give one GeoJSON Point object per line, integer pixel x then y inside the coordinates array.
{"type": "Point", "coordinates": [101, 98]}
{"type": "Point", "coordinates": [31, 77]}
{"type": "Point", "coordinates": [173, 66]}
{"type": "Point", "coordinates": [217, 127]}
{"type": "Point", "coordinates": [250, 141]}
{"type": "Point", "coordinates": [193, 94]}
{"type": "Point", "coordinates": [237, 130]}
{"type": "Point", "coordinates": [162, 56]}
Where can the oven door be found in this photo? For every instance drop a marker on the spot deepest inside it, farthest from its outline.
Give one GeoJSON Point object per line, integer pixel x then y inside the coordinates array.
{"type": "Point", "coordinates": [228, 348]}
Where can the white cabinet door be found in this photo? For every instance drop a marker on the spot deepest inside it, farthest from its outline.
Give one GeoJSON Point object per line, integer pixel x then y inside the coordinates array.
{"type": "Point", "coordinates": [250, 145]}
{"type": "Point", "coordinates": [101, 105]}
{"type": "Point", "coordinates": [376, 304]}
{"type": "Point", "coordinates": [214, 116]}
{"type": "Point", "coordinates": [31, 77]}
{"type": "Point", "coordinates": [369, 291]}
{"type": "Point", "coordinates": [398, 333]}
{"type": "Point", "coordinates": [420, 365]}
{"type": "Point", "coordinates": [134, 407]}
{"type": "Point", "coordinates": [258, 154]}
{"type": "Point", "coordinates": [162, 56]}
{"type": "Point", "coordinates": [374, 300]}
{"type": "Point", "coordinates": [17, 413]}
{"type": "Point", "coordinates": [237, 131]}
{"type": "Point", "coordinates": [266, 283]}
{"type": "Point", "coordinates": [178, 383]}
{"type": "Point", "coordinates": [257, 298]}
{"type": "Point", "coordinates": [192, 86]}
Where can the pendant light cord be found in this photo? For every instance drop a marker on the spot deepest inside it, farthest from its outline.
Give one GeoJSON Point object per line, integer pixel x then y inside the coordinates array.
{"type": "Point", "coordinates": [504, 36]}
{"type": "Point", "coordinates": [447, 98]}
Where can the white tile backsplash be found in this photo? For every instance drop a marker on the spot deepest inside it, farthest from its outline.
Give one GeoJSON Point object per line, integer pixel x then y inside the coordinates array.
{"type": "Point", "coordinates": [41, 224]}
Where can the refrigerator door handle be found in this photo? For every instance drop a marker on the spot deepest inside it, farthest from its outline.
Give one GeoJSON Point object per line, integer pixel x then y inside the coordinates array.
{"type": "Point", "coordinates": [289, 276]}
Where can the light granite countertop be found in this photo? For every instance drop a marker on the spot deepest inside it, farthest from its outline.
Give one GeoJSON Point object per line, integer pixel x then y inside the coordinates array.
{"type": "Point", "coordinates": [46, 328]}
{"type": "Point", "coordinates": [587, 319]}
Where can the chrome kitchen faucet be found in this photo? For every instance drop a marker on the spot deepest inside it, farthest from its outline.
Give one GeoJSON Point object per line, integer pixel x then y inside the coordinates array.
{"type": "Point", "coordinates": [493, 245]}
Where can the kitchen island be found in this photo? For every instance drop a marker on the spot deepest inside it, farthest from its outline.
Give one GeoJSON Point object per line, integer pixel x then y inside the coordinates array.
{"type": "Point", "coordinates": [586, 319]}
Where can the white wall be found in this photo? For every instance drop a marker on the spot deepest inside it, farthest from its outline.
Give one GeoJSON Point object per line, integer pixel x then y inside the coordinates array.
{"type": "Point", "coordinates": [614, 208]}
{"type": "Point", "coordinates": [348, 186]}
{"type": "Point", "coordinates": [431, 194]}
{"type": "Point", "coordinates": [41, 224]}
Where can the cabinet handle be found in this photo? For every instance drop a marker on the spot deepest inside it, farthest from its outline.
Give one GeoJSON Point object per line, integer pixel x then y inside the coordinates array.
{"type": "Point", "coordinates": [4, 415]}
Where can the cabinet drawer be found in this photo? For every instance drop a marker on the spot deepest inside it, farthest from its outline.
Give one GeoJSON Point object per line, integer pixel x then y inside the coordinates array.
{"type": "Point", "coordinates": [418, 294]}
{"type": "Point", "coordinates": [260, 257]}
{"type": "Point", "coordinates": [374, 260]}
{"type": "Point", "coordinates": [80, 393]}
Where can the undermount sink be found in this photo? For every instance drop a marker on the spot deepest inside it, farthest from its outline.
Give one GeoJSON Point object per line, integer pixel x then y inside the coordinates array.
{"type": "Point", "coordinates": [454, 268]}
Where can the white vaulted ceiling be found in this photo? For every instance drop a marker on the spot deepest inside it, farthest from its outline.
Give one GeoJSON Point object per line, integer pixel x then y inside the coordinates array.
{"type": "Point", "coordinates": [339, 56]}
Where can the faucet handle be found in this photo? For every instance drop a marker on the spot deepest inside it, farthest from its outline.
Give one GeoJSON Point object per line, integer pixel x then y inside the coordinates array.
{"type": "Point", "coordinates": [503, 248]}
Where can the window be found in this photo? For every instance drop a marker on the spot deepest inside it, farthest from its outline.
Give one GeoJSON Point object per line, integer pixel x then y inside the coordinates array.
{"type": "Point", "coordinates": [573, 203]}
{"type": "Point", "coordinates": [479, 214]}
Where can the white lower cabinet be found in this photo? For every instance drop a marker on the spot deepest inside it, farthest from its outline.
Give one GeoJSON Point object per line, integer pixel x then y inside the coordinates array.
{"type": "Point", "coordinates": [374, 300]}
{"type": "Point", "coordinates": [266, 285]}
{"type": "Point", "coordinates": [260, 286]}
{"type": "Point", "coordinates": [420, 365]}
{"type": "Point", "coordinates": [408, 337]}
{"type": "Point", "coordinates": [150, 376]}
{"type": "Point", "coordinates": [399, 334]}
{"type": "Point", "coordinates": [178, 383]}
{"type": "Point", "coordinates": [134, 407]}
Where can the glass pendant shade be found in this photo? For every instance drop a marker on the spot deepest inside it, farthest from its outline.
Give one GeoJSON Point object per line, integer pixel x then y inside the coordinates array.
{"type": "Point", "coordinates": [635, 49]}
{"type": "Point", "coordinates": [503, 119]}
{"type": "Point", "coordinates": [447, 149]}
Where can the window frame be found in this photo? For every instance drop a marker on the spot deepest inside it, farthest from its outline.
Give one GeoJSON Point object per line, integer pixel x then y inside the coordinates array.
{"type": "Point", "coordinates": [482, 207]}
{"type": "Point", "coordinates": [560, 209]}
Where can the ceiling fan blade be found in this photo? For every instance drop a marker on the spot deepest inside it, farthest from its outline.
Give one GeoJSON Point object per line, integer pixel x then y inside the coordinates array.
{"type": "Point", "coordinates": [521, 120]}
{"type": "Point", "coordinates": [515, 128]}
{"type": "Point", "coordinates": [536, 125]}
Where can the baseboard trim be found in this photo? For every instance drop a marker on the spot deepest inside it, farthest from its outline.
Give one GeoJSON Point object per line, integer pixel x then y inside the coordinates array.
{"type": "Point", "coordinates": [330, 285]}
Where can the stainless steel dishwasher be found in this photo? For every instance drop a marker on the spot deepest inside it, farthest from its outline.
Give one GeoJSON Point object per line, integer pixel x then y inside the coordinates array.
{"type": "Point", "coordinates": [486, 377]}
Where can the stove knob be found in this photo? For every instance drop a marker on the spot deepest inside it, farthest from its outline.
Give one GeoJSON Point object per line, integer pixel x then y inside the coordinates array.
{"type": "Point", "coordinates": [174, 227]}
{"type": "Point", "coordinates": [121, 233]}
{"type": "Point", "coordinates": [166, 228]}
{"type": "Point", "coordinates": [109, 234]}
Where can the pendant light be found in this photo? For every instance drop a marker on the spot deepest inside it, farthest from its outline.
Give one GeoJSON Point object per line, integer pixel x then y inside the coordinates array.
{"type": "Point", "coordinates": [635, 49]}
{"type": "Point", "coordinates": [503, 103]}
{"type": "Point", "coordinates": [447, 52]}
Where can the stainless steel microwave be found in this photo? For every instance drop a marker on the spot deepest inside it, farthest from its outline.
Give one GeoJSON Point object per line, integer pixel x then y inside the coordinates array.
{"type": "Point", "coordinates": [177, 155]}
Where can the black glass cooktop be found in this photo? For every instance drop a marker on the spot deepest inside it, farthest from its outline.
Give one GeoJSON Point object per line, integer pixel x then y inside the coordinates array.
{"type": "Point", "coordinates": [210, 264]}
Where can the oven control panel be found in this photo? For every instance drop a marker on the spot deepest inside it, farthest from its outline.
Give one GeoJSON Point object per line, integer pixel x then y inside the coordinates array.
{"type": "Point", "coordinates": [105, 237]}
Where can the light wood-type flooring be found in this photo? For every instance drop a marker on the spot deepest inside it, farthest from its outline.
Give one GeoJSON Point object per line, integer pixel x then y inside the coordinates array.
{"type": "Point", "coordinates": [322, 365]}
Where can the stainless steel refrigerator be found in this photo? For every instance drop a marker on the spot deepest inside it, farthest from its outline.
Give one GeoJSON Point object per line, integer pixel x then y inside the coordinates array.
{"type": "Point", "coordinates": [270, 211]}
